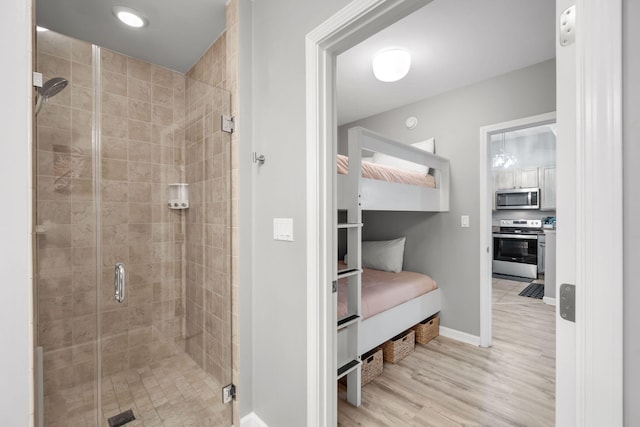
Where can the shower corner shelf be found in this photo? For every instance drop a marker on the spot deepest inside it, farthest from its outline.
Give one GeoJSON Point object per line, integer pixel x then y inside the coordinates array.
{"type": "Point", "coordinates": [178, 196]}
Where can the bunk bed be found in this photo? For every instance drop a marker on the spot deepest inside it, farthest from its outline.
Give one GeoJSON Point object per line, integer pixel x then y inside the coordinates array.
{"type": "Point", "coordinates": [390, 303]}
{"type": "Point", "coordinates": [359, 189]}
{"type": "Point", "coordinates": [385, 195]}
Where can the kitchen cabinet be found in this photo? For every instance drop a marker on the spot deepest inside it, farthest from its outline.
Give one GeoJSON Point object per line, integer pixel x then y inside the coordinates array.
{"type": "Point", "coordinates": [505, 179]}
{"type": "Point", "coordinates": [541, 254]}
{"type": "Point", "coordinates": [542, 177]}
{"type": "Point", "coordinates": [550, 266]}
{"type": "Point", "coordinates": [528, 178]}
{"type": "Point", "coordinates": [548, 188]}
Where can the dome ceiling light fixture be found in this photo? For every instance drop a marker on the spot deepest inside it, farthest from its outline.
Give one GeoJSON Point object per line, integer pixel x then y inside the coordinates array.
{"type": "Point", "coordinates": [129, 17]}
{"type": "Point", "coordinates": [390, 65]}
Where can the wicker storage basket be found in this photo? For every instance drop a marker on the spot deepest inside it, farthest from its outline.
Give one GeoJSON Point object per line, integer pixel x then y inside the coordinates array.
{"type": "Point", "coordinates": [371, 365]}
{"type": "Point", "coordinates": [398, 347]}
{"type": "Point", "coordinates": [427, 329]}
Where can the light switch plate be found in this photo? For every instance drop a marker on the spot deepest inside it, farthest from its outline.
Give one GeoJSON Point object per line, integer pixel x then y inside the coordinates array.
{"type": "Point", "coordinates": [283, 229]}
{"type": "Point", "coordinates": [464, 221]}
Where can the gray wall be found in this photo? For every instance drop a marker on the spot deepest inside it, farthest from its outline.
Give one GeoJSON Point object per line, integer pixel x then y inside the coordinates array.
{"type": "Point", "coordinates": [279, 132]}
{"type": "Point", "coordinates": [631, 150]}
{"type": "Point", "coordinates": [445, 251]}
{"type": "Point", "coordinates": [278, 64]}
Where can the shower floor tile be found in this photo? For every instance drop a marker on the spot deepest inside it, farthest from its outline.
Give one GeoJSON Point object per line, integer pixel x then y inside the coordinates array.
{"type": "Point", "coordinates": [170, 392]}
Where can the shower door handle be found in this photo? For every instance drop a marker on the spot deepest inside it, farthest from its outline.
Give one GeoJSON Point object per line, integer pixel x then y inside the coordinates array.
{"type": "Point", "coordinates": [119, 282]}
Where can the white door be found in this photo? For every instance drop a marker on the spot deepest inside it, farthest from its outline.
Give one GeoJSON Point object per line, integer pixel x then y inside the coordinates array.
{"type": "Point", "coordinates": [589, 185]}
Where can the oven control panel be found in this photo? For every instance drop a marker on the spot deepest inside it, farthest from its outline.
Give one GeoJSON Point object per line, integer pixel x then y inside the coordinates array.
{"type": "Point", "coordinates": [521, 223]}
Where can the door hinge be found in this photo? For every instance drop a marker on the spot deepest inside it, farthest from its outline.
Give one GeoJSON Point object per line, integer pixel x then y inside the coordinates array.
{"type": "Point", "coordinates": [228, 393]}
{"type": "Point", "coordinates": [568, 302]}
{"type": "Point", "coordinates": [228, 124]}
{"type": "Point", "coordinates": [567, 25]}
{"type": "Point", "coordinates": [334, 286]}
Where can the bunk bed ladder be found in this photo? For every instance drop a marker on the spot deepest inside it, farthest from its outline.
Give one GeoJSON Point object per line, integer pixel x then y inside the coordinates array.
{"type": "Point", "coordinates": [350, 324]}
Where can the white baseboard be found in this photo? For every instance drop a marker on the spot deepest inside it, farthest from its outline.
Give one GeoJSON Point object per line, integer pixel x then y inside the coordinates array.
{"type": "Point", "coordinates": [460, 336]}
{"type": "Point", "coordinates": [549, 300]}
{"type": "Point", "coordinates": [252, 420]}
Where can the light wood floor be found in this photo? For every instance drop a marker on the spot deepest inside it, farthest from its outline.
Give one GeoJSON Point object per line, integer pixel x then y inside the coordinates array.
{"type": "Point", "coordinates": [448, 383]}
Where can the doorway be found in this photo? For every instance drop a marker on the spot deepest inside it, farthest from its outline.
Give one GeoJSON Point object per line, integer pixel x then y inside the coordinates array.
{"type": "Point", "coordinates": [487, 208]}
{"type": "Point", "coordinates": [334, 36]}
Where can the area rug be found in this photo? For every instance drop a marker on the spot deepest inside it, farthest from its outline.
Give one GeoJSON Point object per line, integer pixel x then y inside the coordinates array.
{"type": "Point", "coordinates": [534, 290]}
{"type": "Point", "coordinates": [514, 278]}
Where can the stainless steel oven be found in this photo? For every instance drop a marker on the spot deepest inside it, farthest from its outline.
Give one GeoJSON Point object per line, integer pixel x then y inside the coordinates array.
{"type": "Point", "coordinates": [515, 255]}
{"type": "Point", "coordinates": [515, 248]}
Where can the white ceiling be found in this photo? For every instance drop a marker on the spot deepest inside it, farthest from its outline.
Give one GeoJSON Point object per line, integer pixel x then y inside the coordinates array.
{"type": "Point", "coordinates": [179, 31]}
{"type": "Point", "coordinates": [453, 43]}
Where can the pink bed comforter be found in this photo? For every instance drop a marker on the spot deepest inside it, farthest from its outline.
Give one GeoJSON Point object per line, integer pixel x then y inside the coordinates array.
{"type": "Point", "coordinates": [387, 173]}
{"type": "Point", "coordinates": [382, 290]}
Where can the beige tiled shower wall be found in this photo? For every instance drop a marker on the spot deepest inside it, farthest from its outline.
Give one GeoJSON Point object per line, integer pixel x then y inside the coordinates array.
{"type": "Point", "coordinates": [142, 141]}
{"type": "Point", "coordinates": [207, 164]}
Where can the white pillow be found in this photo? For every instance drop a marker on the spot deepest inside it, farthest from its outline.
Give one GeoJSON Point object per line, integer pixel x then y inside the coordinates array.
{"type": "Point", "coordinates": [386, 255]}
{"type": "Point", "coordinates": [428, 145]}
{"type": "Point", "coordinates": [384, 159]}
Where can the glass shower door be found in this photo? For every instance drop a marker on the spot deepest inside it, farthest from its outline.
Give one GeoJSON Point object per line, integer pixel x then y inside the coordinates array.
{"type": "Point", "coordinates": [108, 147]}
{"type": "Point", "coordinates": [166, 348]}
{"type": "Point", "coordinates": [65, 291]}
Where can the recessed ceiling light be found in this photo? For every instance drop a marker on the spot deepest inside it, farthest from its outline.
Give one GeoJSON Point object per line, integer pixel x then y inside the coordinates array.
{"type": "Point", "coordinates": [129, 17]}
{"type": "Point", "coordinates": [41, 29]}
{"type": "Point", "coordinates": [391, 65]}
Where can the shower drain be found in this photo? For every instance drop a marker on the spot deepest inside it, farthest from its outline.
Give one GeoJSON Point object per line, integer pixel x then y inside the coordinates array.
{"type": "Point", "coordinates": [121, 419]}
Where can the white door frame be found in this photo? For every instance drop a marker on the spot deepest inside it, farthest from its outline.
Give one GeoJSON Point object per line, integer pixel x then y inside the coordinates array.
{"type": "Point", "coordinates": [599, 212]}
{"type": "Point", "coordinates": [599, 254]}
{"type": "Point", "coordinates": [486, 198]}
{"type": "Point", "coordinates": [351, 25]}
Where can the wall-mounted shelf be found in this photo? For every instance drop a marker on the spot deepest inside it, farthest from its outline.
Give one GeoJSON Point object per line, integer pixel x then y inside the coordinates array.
{"type": "Point", "coordinates": [178, 196]}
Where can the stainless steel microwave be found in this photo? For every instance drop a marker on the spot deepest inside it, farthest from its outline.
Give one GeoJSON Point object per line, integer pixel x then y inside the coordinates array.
{"type": "Point", "coordinates": [518, 198]}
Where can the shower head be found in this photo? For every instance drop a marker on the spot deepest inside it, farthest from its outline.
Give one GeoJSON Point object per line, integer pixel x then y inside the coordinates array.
{"type": "Point", "coordinates": [49, 89]}
{"type": "Point", "coordinates": [52, 87]}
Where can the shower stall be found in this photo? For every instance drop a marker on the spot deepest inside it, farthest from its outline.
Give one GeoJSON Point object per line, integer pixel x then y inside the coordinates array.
{"type": "Point", "coordinates": [132, 297]}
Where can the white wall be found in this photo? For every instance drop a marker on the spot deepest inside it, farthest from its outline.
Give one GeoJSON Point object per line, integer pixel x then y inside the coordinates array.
{"type": "Point", "coordinates": [15, 217]}
{"type": "Point", "coordinates": [631, 177]}
{"type": "Point", "coordinates": [279, 289]}
{"type": "Point", "coordinates": [447, 252]}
